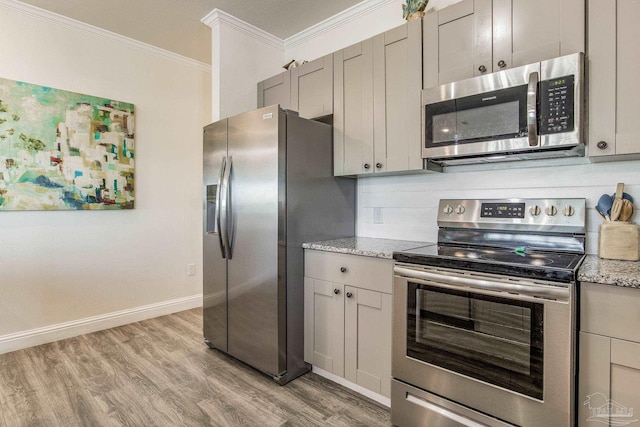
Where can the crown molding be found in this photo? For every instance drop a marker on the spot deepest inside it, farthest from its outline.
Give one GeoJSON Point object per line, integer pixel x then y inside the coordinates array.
{"type": "Point", "coordinates": [338, 20]}
{"type": "Point", "coordinates": [48, 16]}
{"type": "Point", "coordinates": [218, 17]}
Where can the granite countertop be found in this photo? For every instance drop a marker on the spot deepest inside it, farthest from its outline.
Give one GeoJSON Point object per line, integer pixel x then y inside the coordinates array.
{"type": "Point", "coordinates": [610, 272]}
{"type": "Point", "coordinates": [366, 246]}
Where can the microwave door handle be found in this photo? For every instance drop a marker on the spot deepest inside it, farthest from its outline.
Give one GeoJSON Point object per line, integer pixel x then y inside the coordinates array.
{"type": "Point", "coordinates": [532, 113]}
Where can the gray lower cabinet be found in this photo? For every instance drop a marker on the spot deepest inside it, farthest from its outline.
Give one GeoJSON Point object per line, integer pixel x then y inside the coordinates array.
{"type": "Point", "coordinates": [348, 317]}
{"type": "Point", "coordinates": [275, 90]}
{"type": "Point", "coordinates": [609, 355]}
{"type": "Point", "coordinates": [613, 69]}
{"type": "Point", "coordinates": [475, 37]}
{"type": "Point", "coordinates": [312, 88]}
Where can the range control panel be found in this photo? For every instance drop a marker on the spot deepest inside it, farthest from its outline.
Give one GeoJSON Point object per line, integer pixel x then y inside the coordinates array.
{"type": "Point", "coordinates": [557, 105]}
{"type": "Point", "coordinates": [562, 215]}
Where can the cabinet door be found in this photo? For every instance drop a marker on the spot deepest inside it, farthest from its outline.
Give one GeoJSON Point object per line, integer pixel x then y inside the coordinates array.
{"type": "Point", "coordinates": [397, 84]}
{"type": "Point", "coordinates": [613, 67]}
{"type": "Point", "coordinates": [324, 325]}
{"type": "Point", "coordinates": [353, 109]}
{"type": "Point", "coordinates": [368, 339]}
{"type": "Point", "coordinates": [275, 90]}
{"type": "Point", "coordinates": [525, 32]}
{"type": "Point", "coordinates": [625, 380]}
{"type": "Point", "coordinates": [312, 88]}
{"type": "Point", "coordinates": [457, 42]}
{"type": "Point", "coordinates": [594, 376]}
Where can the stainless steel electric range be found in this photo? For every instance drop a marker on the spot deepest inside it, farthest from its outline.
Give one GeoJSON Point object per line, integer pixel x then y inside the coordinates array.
{"type": "Point", "coordinates": [484, 321]}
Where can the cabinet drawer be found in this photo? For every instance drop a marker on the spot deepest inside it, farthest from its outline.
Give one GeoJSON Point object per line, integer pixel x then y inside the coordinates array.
{"type": "Point", "coordinates": [609, 310]}
{"type": "Point", "coordinates": [375, 274]}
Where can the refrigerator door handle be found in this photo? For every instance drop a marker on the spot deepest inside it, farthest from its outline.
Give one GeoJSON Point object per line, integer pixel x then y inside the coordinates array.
{"type": "Point", "coordinates": [225, 209]}
{"type": "Point", "coordinates": [223, 166]}
{"type": "Point", "coordinates": [229, 202]}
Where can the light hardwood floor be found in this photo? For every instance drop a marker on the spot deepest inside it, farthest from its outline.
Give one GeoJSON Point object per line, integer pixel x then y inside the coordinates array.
{"type": "Point", "coordinates": [159, 372]}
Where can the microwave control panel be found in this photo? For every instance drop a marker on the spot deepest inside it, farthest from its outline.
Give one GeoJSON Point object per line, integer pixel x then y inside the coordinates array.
{"type": "Point", "coordinates": [556, 105]}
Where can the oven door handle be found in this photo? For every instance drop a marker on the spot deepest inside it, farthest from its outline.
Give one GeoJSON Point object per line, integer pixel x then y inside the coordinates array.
{"type": "Point", "coordinates": [532, 111]}
{"type": "Point", "coordinates": [484, 286]}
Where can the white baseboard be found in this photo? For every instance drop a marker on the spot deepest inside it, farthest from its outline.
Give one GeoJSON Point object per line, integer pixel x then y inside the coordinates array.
{"type": "Point", "coordinates": [355, 387]}
{"type": "Point", "coordinates": [60, 331]}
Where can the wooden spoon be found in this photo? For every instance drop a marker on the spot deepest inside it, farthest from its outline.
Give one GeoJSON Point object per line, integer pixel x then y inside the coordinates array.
{"type": "Point", "coordinates": [627, 210]}
{"type": "Point", "coordinates": [617, 202]}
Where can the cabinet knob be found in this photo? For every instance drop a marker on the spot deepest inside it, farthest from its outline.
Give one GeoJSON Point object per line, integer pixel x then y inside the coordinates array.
{"type": "Point", "coordinates": [343, 269]}
{"type": "Point", "coordinates": [502, 64]}
{"type": "Point", "coordinates": [349, 294]}
{"type": "Point", "coordinates": [602, 145]}
{"type": "Point", "coordinates": [366, 165]}
{"type": "Point", "coordinates": [379, 165]}
{"type": "Point", "coordinates": [482, 68]}
{"type": "Point", "coordinates": [336, 291]}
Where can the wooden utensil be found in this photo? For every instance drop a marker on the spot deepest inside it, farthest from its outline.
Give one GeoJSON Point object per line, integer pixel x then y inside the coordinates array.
{"type": "Point", "coordinates": [616, 208]}
{"type": "Point", "coordinates": [627, 210]}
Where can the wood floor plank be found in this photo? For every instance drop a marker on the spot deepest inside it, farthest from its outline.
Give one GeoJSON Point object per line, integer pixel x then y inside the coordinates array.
{"type": "Point", "coordinates": [159, 372]}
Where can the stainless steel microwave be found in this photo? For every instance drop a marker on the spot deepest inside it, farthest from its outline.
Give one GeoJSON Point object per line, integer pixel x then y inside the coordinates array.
{"type": "Point", "coordinates": [527, 112]}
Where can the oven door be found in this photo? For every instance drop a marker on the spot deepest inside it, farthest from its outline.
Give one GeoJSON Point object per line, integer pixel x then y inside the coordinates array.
{"type": "Point", "coordinates": [500, 346]}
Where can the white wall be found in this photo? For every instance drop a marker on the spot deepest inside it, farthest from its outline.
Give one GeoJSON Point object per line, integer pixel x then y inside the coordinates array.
{"type": "Point", "coordinates": [409, 203]}
{"type": "Point", "coordinates": [360, 22]}
{"type": "Point", "coordinates": [242, 55]}
{"type": "Point", "coordinates": [65, 266]}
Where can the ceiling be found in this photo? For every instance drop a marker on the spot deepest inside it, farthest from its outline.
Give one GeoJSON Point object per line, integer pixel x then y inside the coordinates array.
{"type": "Point", "coordinates": [175, 25]}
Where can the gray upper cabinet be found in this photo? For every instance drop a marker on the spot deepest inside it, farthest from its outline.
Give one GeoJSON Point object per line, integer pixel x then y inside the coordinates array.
{"type": "Point", "coordinates": [613, 69]}
{"type": "Point", "coordinates": [275, 90]}
{"type": "Point", "coordinates": [353, 109]}
{"type": "Point", "coordinates": [476, 37]}
{"type": "Point", "coordinates": [397, 83]}
{"type": "Point", "coordinates": [377, 123]}
{"type": "Point", "coordinates": [312, 88]}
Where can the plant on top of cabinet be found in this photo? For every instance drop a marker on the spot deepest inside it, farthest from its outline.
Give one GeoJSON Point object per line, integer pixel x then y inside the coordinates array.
{"type": "Point", "coordinates": [475, 37]}
{"type": "Point", "coordinates": [613, 69]}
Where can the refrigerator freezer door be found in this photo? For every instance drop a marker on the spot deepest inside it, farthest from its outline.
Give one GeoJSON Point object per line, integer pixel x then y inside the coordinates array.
{"type": "Point", "coordinates": [256, 330]}
{"type": "Point", "coordinates": [214, 265]}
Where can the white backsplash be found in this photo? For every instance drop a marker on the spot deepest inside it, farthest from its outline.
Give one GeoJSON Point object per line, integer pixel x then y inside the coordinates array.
{"type": "Point", "coordinates": [407, 205]}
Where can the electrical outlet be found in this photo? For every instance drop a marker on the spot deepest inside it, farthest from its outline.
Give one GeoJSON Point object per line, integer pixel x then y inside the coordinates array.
{"type": "Point", "coordinates": [377, 215]}
{"type": "Point", "coordinates": [191, 269]}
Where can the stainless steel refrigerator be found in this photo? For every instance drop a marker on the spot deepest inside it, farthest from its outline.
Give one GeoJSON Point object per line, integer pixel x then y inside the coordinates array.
{"type": "Point", "coordinates": [268, 187]}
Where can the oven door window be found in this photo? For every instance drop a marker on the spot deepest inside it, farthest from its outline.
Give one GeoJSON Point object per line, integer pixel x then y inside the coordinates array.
{"type": "Point", "coordinates": [493, 115]}
{"type": "Point", "coordinates": [492, 339]}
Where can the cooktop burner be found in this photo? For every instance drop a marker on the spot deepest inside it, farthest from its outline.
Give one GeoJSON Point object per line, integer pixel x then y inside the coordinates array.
{"type": "Point", "coordinates": [519, 261]}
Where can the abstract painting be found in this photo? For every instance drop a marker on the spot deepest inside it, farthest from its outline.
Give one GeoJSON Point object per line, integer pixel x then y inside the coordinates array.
{"type": "Point", "coordinates": [63, 150]}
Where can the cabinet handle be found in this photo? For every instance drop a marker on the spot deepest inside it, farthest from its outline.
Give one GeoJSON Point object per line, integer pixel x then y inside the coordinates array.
{"type": "Point", "coordinates": [602, 145]}
{"type": "Point", "coordinates": [502, 64]}
{"type": "Point", "coordinates": [349, 294]}
{"type": "Point", "coordinates": [336, 291]}
{"type": "Point", "coordinates": [482, 68]}
{"type": "Point", "coordinates": [379, 165]}
{"type": "Point", "coordinates": [366, 165]}
{"type": "Point", "coordinates": [343, 269]}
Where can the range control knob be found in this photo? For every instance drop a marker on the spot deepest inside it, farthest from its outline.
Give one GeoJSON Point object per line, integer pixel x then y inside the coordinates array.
{"type": "Point", "coordinates": [448, 210]}
{"type": "Point", "coordinates": [551, 210]}
{"type": "Point", "coordinates": [535, 210]}
{"type": "Point", "coordinates": [460, 209]}
{"type": "Point", "coordinates": [568, 210]}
